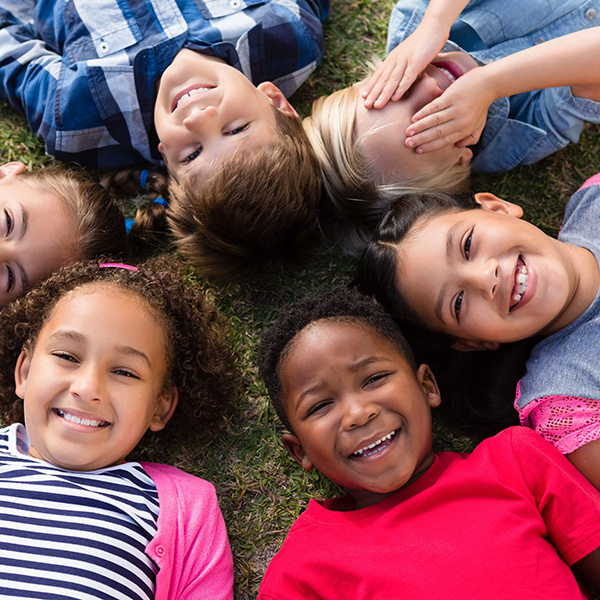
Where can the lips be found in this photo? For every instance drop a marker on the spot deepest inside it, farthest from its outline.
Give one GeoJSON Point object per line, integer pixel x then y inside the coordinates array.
{"type": "Point", "coordinates": [80, 420]}
{"type": "Point", "coordinates": [376, 446]}
{"type": "Point", "coordinates": [521, 283]}
{"type": "Point", "coordinates": [188, 92]}
{"type": "Point", "coordinates": [449, 70]}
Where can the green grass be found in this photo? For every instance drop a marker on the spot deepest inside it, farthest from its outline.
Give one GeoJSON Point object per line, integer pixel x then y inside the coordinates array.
{"type": "Point", "coordinates": [262, 491]}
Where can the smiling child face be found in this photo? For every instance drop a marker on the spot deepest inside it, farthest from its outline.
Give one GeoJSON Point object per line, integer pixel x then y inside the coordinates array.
{"type": "Point", "coordinates": [486, 275]}
{"type": "Point", "coordinates": [92, 385]}
{"type": "Point", "coordinates": [359, 412]}
{"type": "Point", "coordinates": [205, 110]}
{"type": "Point", "coordinates": [383, 131]}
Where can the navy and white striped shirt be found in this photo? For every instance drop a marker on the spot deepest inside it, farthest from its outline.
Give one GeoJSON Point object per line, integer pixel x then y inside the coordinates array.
{"type": "Point", "coordinates": [73, 534]}
{"type": "Point", "coordinates": [84, 73]}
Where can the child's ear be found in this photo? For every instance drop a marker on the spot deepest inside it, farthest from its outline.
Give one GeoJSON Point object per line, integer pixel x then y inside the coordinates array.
{"type": "Point", "coordinates": [21, 373]}
{"type": "Point", "coordinates": [495, 204]}
{"type": "Point", "coordinates": [11, 169]}
{"type": "Point", "coordinates": [161, 149]}
{"type": "Point", "coordinates": [165, 407]}
{"type": "Point", "coordinates": [277, 99]}
{"type": "Point", "coordinates": [472, 345]}
{"type": "Point", "coordinates": [429, 384]}
{"type": "Point", "coordinates": [296, 451]}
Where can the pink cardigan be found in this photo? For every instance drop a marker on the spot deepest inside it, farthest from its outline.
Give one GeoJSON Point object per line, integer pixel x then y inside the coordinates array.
{"type": "Point", "coordinates": [191, 547]}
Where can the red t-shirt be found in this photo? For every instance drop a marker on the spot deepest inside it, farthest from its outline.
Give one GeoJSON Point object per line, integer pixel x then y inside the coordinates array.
{"type": "Point", "coordinates": [505, 521]}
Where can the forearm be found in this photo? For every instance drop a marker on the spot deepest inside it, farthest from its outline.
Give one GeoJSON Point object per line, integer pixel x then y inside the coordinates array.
{"type": "Point", "coordinates": [565, 61]}
{"type": "Point", "coordinates": [443, 12]}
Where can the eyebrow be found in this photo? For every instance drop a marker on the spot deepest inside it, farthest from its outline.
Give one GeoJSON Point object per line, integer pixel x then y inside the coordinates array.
{"type": "Point", "coordinates": [75, 336]}
{"type": "Point", "coordinates": [450, 244]}
{"type": "Point", "coordinates": [25, 284]}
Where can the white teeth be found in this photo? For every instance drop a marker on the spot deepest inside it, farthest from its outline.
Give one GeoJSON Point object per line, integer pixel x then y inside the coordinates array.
{"type": "Point", "coordinates": [79, 421]}
{"type": "Point", "coordinates": [521, 282]}
{"type": "Point", "coordinates": [191, 93]}
{"type": "Point", "coordinates": [446, 73]}
{"type": "Point", "coordinates": [385, 438]}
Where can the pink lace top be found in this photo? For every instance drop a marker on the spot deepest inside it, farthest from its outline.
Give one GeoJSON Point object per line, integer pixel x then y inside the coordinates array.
{"type": "Point", "coordinates": [567, 422]}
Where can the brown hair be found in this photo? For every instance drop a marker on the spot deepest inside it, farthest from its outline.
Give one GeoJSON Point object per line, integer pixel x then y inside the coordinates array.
{"type": "Point", "coordinates": [258, 206]}
{"type": "Point", "coordinates": [96, 216]}
{"type": "Point", "coordinates": [150, 225]}
{"type": "Point", "coordinates": [199, 361]}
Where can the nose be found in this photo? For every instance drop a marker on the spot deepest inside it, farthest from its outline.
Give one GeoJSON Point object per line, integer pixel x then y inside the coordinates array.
{"type": "Point", "coordinates": [359, 412]}
{"type": "Point", "coordinates": [483, 277]}
{"type": "Point", "coordinates": [200, 118]}
{"type": "Point", "coordinates": [88, 385]}
{"type": "Point", "coordinates": [423, 91]}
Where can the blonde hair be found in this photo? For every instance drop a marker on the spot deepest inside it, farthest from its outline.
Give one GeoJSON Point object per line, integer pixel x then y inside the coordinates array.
{"type": "Point", "coordinates": [258, 206]}
{"type": "Point", "coordinates": [95, 215]}
{"type": "Point", "coordinates": [357, 194]}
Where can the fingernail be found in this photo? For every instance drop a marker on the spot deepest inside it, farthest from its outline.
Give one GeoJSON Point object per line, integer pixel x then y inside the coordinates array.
{"type": "Point", "coordinates": [419, 150]}
{"type": "Point", "coordinates": [411, 133]}
{"type": "Point", "coordinates": [410, 143]}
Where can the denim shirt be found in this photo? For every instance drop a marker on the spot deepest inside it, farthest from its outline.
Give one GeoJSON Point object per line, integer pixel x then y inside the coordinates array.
{"type": "Point", "coordinates": [527, 127]}
{"type": "Point", "coordinates": [84, 72]}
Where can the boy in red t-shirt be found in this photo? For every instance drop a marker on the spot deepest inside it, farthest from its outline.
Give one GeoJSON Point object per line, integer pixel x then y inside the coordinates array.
{"type": "Point", "coordinates": [506, 521]}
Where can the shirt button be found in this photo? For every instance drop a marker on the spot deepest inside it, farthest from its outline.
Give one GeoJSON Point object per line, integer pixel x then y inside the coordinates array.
{"type": "Point", "coordinates": [590, 13]}
{"type": "Point", "coordinates": [235, 3]}
{"type": "Point", "coordinates": [160, 550]}
{"type": "Point", "coordinates": [103, 47]}
{"type": "Point", "coordinates": [539, 41]}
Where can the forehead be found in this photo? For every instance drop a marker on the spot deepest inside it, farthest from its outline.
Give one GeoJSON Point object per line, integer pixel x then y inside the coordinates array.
{"type": "Point", "coordinates": [350, 333]}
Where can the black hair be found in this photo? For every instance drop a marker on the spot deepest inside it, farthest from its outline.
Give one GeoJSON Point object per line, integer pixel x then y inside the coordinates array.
{"type": "Point", "coordinates": [342, 303]}
{"type": "Point", "coordinates": [478, 387]}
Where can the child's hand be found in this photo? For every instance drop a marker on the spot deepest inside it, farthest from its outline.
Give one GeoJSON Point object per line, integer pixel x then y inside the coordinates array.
{"type": "Point", "coordinates": [402, 66]}
{"type": "Point", "coordinates": [458, 116]}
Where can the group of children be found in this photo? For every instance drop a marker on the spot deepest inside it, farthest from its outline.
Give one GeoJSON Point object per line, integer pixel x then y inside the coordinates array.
{"type": "Point", "coordinates": [202, 88]}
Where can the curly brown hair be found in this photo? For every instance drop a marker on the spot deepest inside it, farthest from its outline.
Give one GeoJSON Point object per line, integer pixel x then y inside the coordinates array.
{"type": "Point", "coordinates": [201, 364]}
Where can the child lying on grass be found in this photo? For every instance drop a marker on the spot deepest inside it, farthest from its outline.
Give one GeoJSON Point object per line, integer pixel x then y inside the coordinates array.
{"type": "Point", "coordinates": [415, 524]}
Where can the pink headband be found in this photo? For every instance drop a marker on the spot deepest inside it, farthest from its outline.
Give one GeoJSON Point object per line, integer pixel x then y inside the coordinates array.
{"type": "Point", "coordinates": [118, 266]}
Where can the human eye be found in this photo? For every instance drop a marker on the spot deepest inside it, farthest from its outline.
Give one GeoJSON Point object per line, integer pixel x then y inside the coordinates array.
{"type": "Point", "coordinates": [376, 378]}
{"type": "Point", "coordinates": [458, 304]}
{"type": "Point", "coordinates": [65, 356]}
{"type": "Point", "coordinates": [318, 407]}
{"type": "Point", "coordinates": [191, 157]}
{"type": "Point", "coordinates": [125, 373]}
{"type": "Point", "coordinates": [11, 279]}
{"type": "Point", "coordinates": [467, 245]}
{"type": "Point", "coordinates": [237, 130]}
{"type": "Point", "coordinates": [9, 222]}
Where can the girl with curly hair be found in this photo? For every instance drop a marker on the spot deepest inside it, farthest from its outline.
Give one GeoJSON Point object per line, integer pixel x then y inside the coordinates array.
{"type": "Point", "coordinates": [99, 354]}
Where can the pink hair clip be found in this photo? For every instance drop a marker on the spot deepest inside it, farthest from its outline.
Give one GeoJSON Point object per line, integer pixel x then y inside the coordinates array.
{"type": "Point", "coordinates": [118, 266]}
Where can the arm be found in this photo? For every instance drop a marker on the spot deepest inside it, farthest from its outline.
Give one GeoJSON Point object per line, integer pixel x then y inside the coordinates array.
{"type": "Point", "coordinates": [459, 114]}
{"type": "Point", "coordinates": [28, 70]}
{"type": "Point", "coordinates": [404, 63]}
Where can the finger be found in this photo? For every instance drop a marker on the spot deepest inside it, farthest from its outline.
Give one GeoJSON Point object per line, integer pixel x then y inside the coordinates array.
{"type": "Point", "coordinates": [434, 138]}
{"type": "Point", "coordinates": [381, 89]}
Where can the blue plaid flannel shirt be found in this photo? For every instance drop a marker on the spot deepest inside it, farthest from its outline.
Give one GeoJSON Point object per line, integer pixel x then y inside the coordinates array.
{"type": "Point", "coordinates": [84, 72]}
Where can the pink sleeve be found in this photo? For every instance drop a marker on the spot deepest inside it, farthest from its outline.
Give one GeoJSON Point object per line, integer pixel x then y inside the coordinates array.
{"type": "Point", "coordinates": [191, 547]}
{"type": "Point", "coordinates": [593, 180]}
{"type": "Point", "coordinates": [567, 422]}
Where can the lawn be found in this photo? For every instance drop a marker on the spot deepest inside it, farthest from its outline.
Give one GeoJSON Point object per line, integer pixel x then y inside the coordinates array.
{"type": "Point", "coordinates": [262, 491]}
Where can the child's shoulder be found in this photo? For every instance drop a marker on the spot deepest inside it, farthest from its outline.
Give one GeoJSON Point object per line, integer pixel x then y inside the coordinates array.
{"type": "Point", "coordinates": [174, 480]}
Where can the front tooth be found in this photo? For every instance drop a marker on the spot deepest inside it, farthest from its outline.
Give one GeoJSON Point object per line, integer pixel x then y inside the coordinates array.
{"type": "Point", "coordinates": [522, 278]}
{"type": "Point", "coordinates": [517, 297]}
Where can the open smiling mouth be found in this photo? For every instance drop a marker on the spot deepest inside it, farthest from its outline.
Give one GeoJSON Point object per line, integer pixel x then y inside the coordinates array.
{"type": "Point", "coordinates": [78, 421]}
{"type": "Point", "coordinates": [521, 283]}
{"type": "Point", "coordinates": [375, 447]}
{"type": "Point", "coordinates": [190, 93]}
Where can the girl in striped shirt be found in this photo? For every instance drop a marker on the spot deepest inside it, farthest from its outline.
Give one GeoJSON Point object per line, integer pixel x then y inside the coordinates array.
{"type": "Point", "coordinates": [103, 354]}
